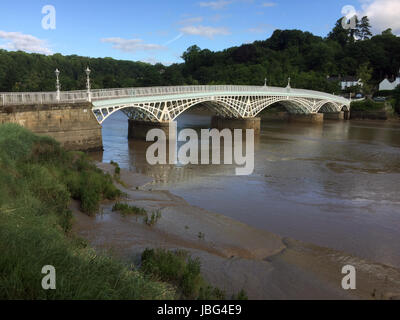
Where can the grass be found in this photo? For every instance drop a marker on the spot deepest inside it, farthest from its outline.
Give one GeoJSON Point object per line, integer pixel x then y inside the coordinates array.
{"type": "Point", "coordinates": [184, 272]}
{"type": "Point", "coordinates": [152, 220]}
{"type": "Point", "coordinates": [37, 180]}
{"type": "Point", "coordinates": [180, 269]}
{"type": "Point", "coordinates": [126, 209]}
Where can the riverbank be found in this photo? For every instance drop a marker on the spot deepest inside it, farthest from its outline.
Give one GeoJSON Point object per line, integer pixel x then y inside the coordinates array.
{"type": "Point", "coordinates": [233, 255]}
{"type": "Point", "coordinates": [37, 180]}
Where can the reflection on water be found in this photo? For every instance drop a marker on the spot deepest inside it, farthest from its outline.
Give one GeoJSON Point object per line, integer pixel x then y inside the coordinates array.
{"type": "Point", "coordinates": [336, 184]}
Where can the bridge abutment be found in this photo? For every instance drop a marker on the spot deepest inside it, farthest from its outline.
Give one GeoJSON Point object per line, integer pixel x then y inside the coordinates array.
{"type": "Point", "coordinates": [73, 125]}
{"type": "Point", "coordinates": [225, 123]}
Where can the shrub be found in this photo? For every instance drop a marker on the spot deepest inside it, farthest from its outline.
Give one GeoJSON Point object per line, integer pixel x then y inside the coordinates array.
{"type": "Point", "coordinates": [89, 185]}
{"type": "Point", "coordinates": [367, 105]}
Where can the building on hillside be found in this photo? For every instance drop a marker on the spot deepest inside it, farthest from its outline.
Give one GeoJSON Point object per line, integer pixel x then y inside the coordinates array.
{"type": "Point", "coordinates": [347, 82]}
{"type": "Point", "coordinates": [386, 84]}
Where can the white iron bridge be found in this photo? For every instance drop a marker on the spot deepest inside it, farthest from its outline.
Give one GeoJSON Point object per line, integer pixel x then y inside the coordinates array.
{"type": "Point", "coordinates": [165, 104]}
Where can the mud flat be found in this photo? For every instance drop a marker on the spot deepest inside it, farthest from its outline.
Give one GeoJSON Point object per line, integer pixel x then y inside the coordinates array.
{"type": "Point", "coordinates": [233, 255]}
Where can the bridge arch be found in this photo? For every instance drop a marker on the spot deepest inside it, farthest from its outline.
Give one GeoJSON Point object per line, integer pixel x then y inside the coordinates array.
{"type": "Point", "coordinates": [329, 106]}
{"type": "Point", "coordinates": [227, 106]}
{"type": "Point", "coordinates": [295, 105]}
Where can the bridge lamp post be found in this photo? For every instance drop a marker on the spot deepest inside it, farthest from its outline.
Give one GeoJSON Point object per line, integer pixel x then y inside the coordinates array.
{"type": "Point", "coordinates": [89, 95]}
{"type": "Point", "coordinates": [265, 82]}
{"type": "Point", "coordinates": [288, 87]}
{"type": "Point", "coordinates": [58, 87]}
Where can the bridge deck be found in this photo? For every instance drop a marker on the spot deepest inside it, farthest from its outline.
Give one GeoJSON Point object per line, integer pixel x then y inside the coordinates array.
{"type": "Point", "coordinates": [13, 98]}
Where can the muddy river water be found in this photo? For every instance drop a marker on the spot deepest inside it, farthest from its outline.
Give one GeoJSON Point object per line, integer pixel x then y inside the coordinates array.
{"type": "Point", "coordinates": [335, 184]}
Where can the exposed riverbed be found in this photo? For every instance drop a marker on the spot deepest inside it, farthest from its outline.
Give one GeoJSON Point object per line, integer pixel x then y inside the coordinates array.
{"type": "Point", "coordinates": [233, 255]}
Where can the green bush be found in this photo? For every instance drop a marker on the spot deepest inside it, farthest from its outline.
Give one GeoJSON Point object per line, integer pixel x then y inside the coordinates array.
{"type": "Point", "coordinates": [367, 105]}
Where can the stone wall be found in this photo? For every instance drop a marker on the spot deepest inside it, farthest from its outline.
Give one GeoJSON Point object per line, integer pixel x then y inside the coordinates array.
{"type": "Point", "coordinates": [73, 125]}
{"type": "Point", "coordinates": [284, 116]}
{"type": "Point", "coordinates": [371, 115]}
{"type": "Point", "coordinates": [334, 115]}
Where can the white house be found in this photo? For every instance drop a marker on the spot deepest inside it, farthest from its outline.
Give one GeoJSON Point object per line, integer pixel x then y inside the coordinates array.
{"type": "Point", "coordinates": [389, 85]}
{"type": "Point", "coordinates": [347, 82]}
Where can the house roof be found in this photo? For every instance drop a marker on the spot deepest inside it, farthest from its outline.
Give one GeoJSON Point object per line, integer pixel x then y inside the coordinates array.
{"type": "Point", "coordinates": [344, 79]}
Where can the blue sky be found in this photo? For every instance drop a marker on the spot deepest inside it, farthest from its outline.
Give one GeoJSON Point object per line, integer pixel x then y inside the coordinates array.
{"type": "Point", "coordinates": [160, 31]}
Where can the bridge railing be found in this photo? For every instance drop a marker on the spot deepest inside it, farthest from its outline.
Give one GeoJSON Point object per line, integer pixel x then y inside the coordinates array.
{"type": "Point", "coordinates": [15, 98]}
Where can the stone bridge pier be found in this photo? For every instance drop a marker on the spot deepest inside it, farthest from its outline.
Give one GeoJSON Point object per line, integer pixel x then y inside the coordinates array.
{"type": "Point", "coordinates": [221, 123]}
{"type": "Point", "coordinates": [137, 129]}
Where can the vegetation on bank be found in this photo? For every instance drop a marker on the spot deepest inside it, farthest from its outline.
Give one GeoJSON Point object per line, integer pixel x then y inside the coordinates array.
{"type": "Point", "coordinates": [153, 218]}
{"type": "Point", "coordinates": [38, 178]}
{"type": "Point", "coordinates": [367, 105]}
{"type": "Point", "coordinates": [126, 209]}
{"type": "Point", "coordinates": [371, 107]}
{"type": "Point", "coordinates": [179, 268]}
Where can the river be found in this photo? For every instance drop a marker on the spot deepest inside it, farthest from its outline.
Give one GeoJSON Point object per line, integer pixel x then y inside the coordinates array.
{"type": "Point", "coordinates": [335, 184]}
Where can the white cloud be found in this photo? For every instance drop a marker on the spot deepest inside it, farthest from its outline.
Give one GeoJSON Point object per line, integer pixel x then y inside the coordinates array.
{"type": "Point", "coordinates": [191, 20]}
{"type": "Point", "coordinates": [215, 5]}
{"type": "Point", "coordinates": [23, 42]}
{"type": "Point", "coordinates": [131, 45]}
{"type": "Point", "coordinates": [383, 14]}
{"type": "Point", "coordinates": [268, 4]}
{"type": "Point", "coordinates": [205, 31]}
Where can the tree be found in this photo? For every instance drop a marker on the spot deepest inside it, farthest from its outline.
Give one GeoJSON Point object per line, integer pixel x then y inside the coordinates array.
{"type": "Point", "coordinates": [364, 72]}
{"type": "Point", "coordinates": [387, 32]}
{"type": "Point", "coordinates": [364, 29]}
{"type": "Point", "coordinates": [339, 34]}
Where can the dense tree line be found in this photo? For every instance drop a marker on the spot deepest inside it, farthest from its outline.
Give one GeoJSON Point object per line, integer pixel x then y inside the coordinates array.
{"type": "Point", "coordinates": [306, 58]}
